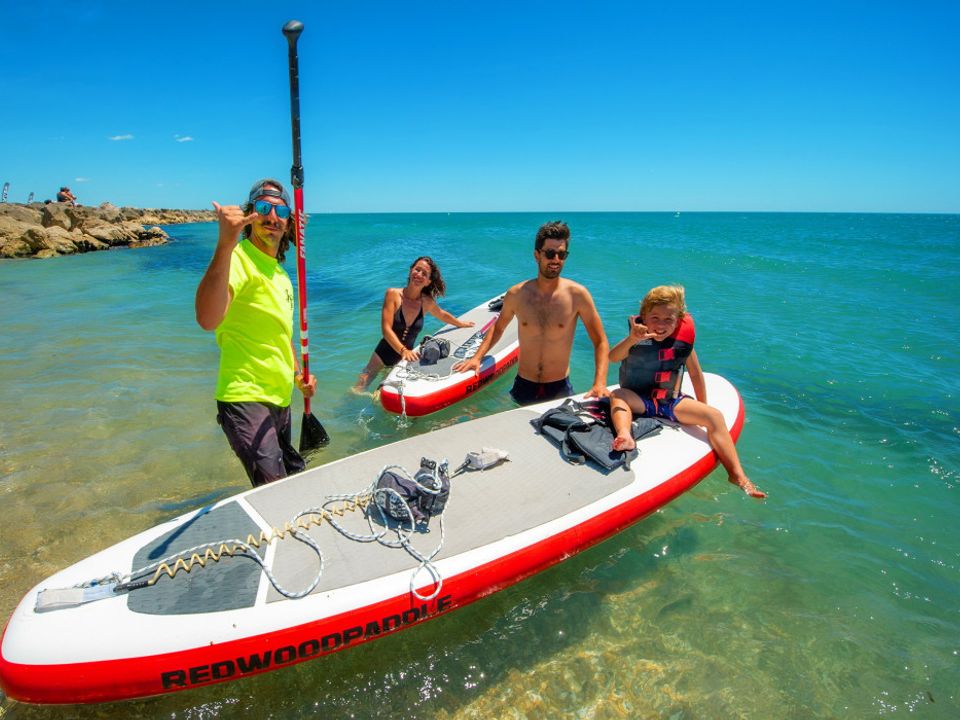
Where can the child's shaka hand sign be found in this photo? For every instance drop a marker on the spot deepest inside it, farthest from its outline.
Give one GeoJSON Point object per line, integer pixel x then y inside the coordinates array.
{"type": "Point", "coordinates": [639, 331]}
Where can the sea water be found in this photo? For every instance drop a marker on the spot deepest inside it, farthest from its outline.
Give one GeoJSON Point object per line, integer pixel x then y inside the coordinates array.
{"type": "Point", "coordinates": [839, 596]}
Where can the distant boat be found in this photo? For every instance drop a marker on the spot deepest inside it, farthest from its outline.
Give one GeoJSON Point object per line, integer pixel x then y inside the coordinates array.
{"type": "Point", "coordinates": [677, 214]}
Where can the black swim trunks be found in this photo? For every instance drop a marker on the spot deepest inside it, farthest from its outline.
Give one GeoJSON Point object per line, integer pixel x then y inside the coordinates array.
{"type": "Point", "coordinates": [259, 434]}
{"type": "Point", "coordinates": [527, 392]}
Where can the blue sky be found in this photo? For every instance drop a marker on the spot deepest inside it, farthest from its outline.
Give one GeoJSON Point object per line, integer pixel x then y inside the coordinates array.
{"type": "Point", "coordinates": [429, 105]}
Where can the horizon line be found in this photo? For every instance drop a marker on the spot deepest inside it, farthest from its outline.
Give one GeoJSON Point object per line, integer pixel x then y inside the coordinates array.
{"type": "Point", "coordinates": [538, 212]}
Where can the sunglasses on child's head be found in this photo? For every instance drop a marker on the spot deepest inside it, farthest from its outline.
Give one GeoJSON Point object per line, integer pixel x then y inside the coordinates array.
{"type": "Point", "coordinates": [551, 254]}
{"type": "Point", "coordinates": [263, 208]}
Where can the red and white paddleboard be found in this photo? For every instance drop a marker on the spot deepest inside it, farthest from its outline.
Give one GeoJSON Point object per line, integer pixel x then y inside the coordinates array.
{"type": "Point", "coordinates": [422, 387]}
{"type": "Point", "coordinates": [70, 641]}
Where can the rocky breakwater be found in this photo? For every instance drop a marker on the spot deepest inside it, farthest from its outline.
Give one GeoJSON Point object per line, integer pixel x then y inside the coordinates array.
{"type": "Point", "coordinates": [48, 230]}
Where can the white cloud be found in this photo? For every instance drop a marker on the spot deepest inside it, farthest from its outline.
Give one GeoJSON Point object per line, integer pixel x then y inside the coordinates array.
{"type": "Point", "coordinates": [183, 138]}
{"type": "Point", "coordinates": [121, 137]}
{"type": "Point", "coordinates": [81, 179]}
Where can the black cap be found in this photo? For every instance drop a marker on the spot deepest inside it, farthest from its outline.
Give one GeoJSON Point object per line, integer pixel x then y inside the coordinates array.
{"type": "Point", "coordinates": [259, 189]}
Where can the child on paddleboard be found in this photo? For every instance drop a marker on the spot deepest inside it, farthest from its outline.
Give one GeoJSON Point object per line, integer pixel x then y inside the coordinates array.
{"type": "Point", "coordinates": [653, 356]}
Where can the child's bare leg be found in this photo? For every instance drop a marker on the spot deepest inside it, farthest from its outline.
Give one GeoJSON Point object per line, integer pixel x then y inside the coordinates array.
{"type": "Point", "coordinates": [694, 412]}
{"type": "Point", "coordinates": [621, 417]}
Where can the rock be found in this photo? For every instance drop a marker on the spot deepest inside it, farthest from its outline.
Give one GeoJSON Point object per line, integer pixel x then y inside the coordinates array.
{"type": "Point", "coordinates": [35, 238]}
{"type": "Point", "coordinates": [112, 235]}
{"type": "Point", "coordinates": [12, 243]}
{"type": "Point", "coordinates": [133, 229]}
{"type": "Point", "coordinates": [88, 243]}
{"type": "Point", "coordinates": [14, 249]}
{"type": "Point", "coordinates": [10, 227]}
{"type": "Point", "coordinates": [110, 213]}
{"type": "Point", "coordinates": [148, 242]}
{"type": "Point", "coordinates": [60, 241]}
{"type": "Point", "coordinates": [44, 230]}
{"type": "Point", "coordinates": [81, 216]}
{"type": "Point", "coordinates": [55, 215]}
{"type": "Point", "coordinates": [150, 236]}
{"type": "Point", "coordinates": [23, 213]}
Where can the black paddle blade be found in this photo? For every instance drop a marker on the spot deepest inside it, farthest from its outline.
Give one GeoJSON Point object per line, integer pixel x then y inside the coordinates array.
{"type": "Point", "coordinates": [312, 435]}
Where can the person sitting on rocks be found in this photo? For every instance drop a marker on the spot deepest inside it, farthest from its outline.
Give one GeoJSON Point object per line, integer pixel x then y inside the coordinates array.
{"type": "Point", "coordinates": [65, 196]}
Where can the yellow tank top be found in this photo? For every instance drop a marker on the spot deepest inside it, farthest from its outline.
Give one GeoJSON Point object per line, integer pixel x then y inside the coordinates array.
{"type": "Point", "coordinates": [256, 357]}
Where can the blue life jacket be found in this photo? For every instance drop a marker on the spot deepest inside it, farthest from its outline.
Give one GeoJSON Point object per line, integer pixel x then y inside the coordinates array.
{"type": "Point", "coordinates": [653, 368]}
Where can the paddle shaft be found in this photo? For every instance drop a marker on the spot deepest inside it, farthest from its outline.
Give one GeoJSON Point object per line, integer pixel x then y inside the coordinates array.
{"type": "Point", "coordinates": [292, 31]}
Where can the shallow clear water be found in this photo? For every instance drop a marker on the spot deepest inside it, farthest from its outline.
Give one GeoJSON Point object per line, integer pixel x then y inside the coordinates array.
{"type": "Point", "coordinates": [837, 597]}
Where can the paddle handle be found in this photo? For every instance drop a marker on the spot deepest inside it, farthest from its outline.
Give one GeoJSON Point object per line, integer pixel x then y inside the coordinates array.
{"type": "Point", "coordinates": [292, 31]}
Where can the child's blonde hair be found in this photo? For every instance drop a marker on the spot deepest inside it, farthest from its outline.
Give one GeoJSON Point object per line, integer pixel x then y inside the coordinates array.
{"type": "Point", "coordinates": [664, 295]}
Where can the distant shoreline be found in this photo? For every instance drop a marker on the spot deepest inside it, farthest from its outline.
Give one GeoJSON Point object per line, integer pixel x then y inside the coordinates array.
{"type": "Point", "coordinates": [45, 230]}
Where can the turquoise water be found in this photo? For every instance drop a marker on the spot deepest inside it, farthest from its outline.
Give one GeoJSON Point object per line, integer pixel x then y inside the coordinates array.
{"type": "Point", "coordinates": [837, 597]}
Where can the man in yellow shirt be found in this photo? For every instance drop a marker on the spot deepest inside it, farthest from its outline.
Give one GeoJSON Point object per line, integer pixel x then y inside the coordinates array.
{"type": "Point", "coordinates": [246, 297]}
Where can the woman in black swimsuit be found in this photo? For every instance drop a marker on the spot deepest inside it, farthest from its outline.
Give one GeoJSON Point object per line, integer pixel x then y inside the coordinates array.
{"type": "Point", "coordinates": [402, 318]}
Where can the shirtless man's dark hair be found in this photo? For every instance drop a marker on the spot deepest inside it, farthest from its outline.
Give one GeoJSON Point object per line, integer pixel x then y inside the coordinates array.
{"type": "Point", "coordinates": [556, 230]}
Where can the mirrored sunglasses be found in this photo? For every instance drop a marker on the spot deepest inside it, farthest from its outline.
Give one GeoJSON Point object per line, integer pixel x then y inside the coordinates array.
{"type": "Point", "coordinates": [263, 208]}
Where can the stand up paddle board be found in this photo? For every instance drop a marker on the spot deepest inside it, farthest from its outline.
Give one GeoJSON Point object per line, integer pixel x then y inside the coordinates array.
{"type": "Point", "coordinates": [228, 591]}
{"type": "Point", "coordinates": [429, 384]}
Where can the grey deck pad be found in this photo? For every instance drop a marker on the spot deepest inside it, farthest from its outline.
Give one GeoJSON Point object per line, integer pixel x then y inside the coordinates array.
{"type": "Point", "coordinates": [231, 583]}
{"type": "Point", "coordinates": [534, 487]}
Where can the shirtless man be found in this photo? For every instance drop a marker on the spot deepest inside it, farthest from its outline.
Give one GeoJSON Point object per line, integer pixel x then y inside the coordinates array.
{"type": "Point", "coordinates": [547, 308]}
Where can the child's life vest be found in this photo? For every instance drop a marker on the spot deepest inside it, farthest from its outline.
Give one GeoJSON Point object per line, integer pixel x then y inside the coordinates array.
{"type": "Point", "coordinates": [652, 369]}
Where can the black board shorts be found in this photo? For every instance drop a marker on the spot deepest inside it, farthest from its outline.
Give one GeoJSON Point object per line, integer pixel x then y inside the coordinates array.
{"type": "Point", "coordinates": [259, 434]}
{"type": "Point", "coordinates": [527, 392]}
